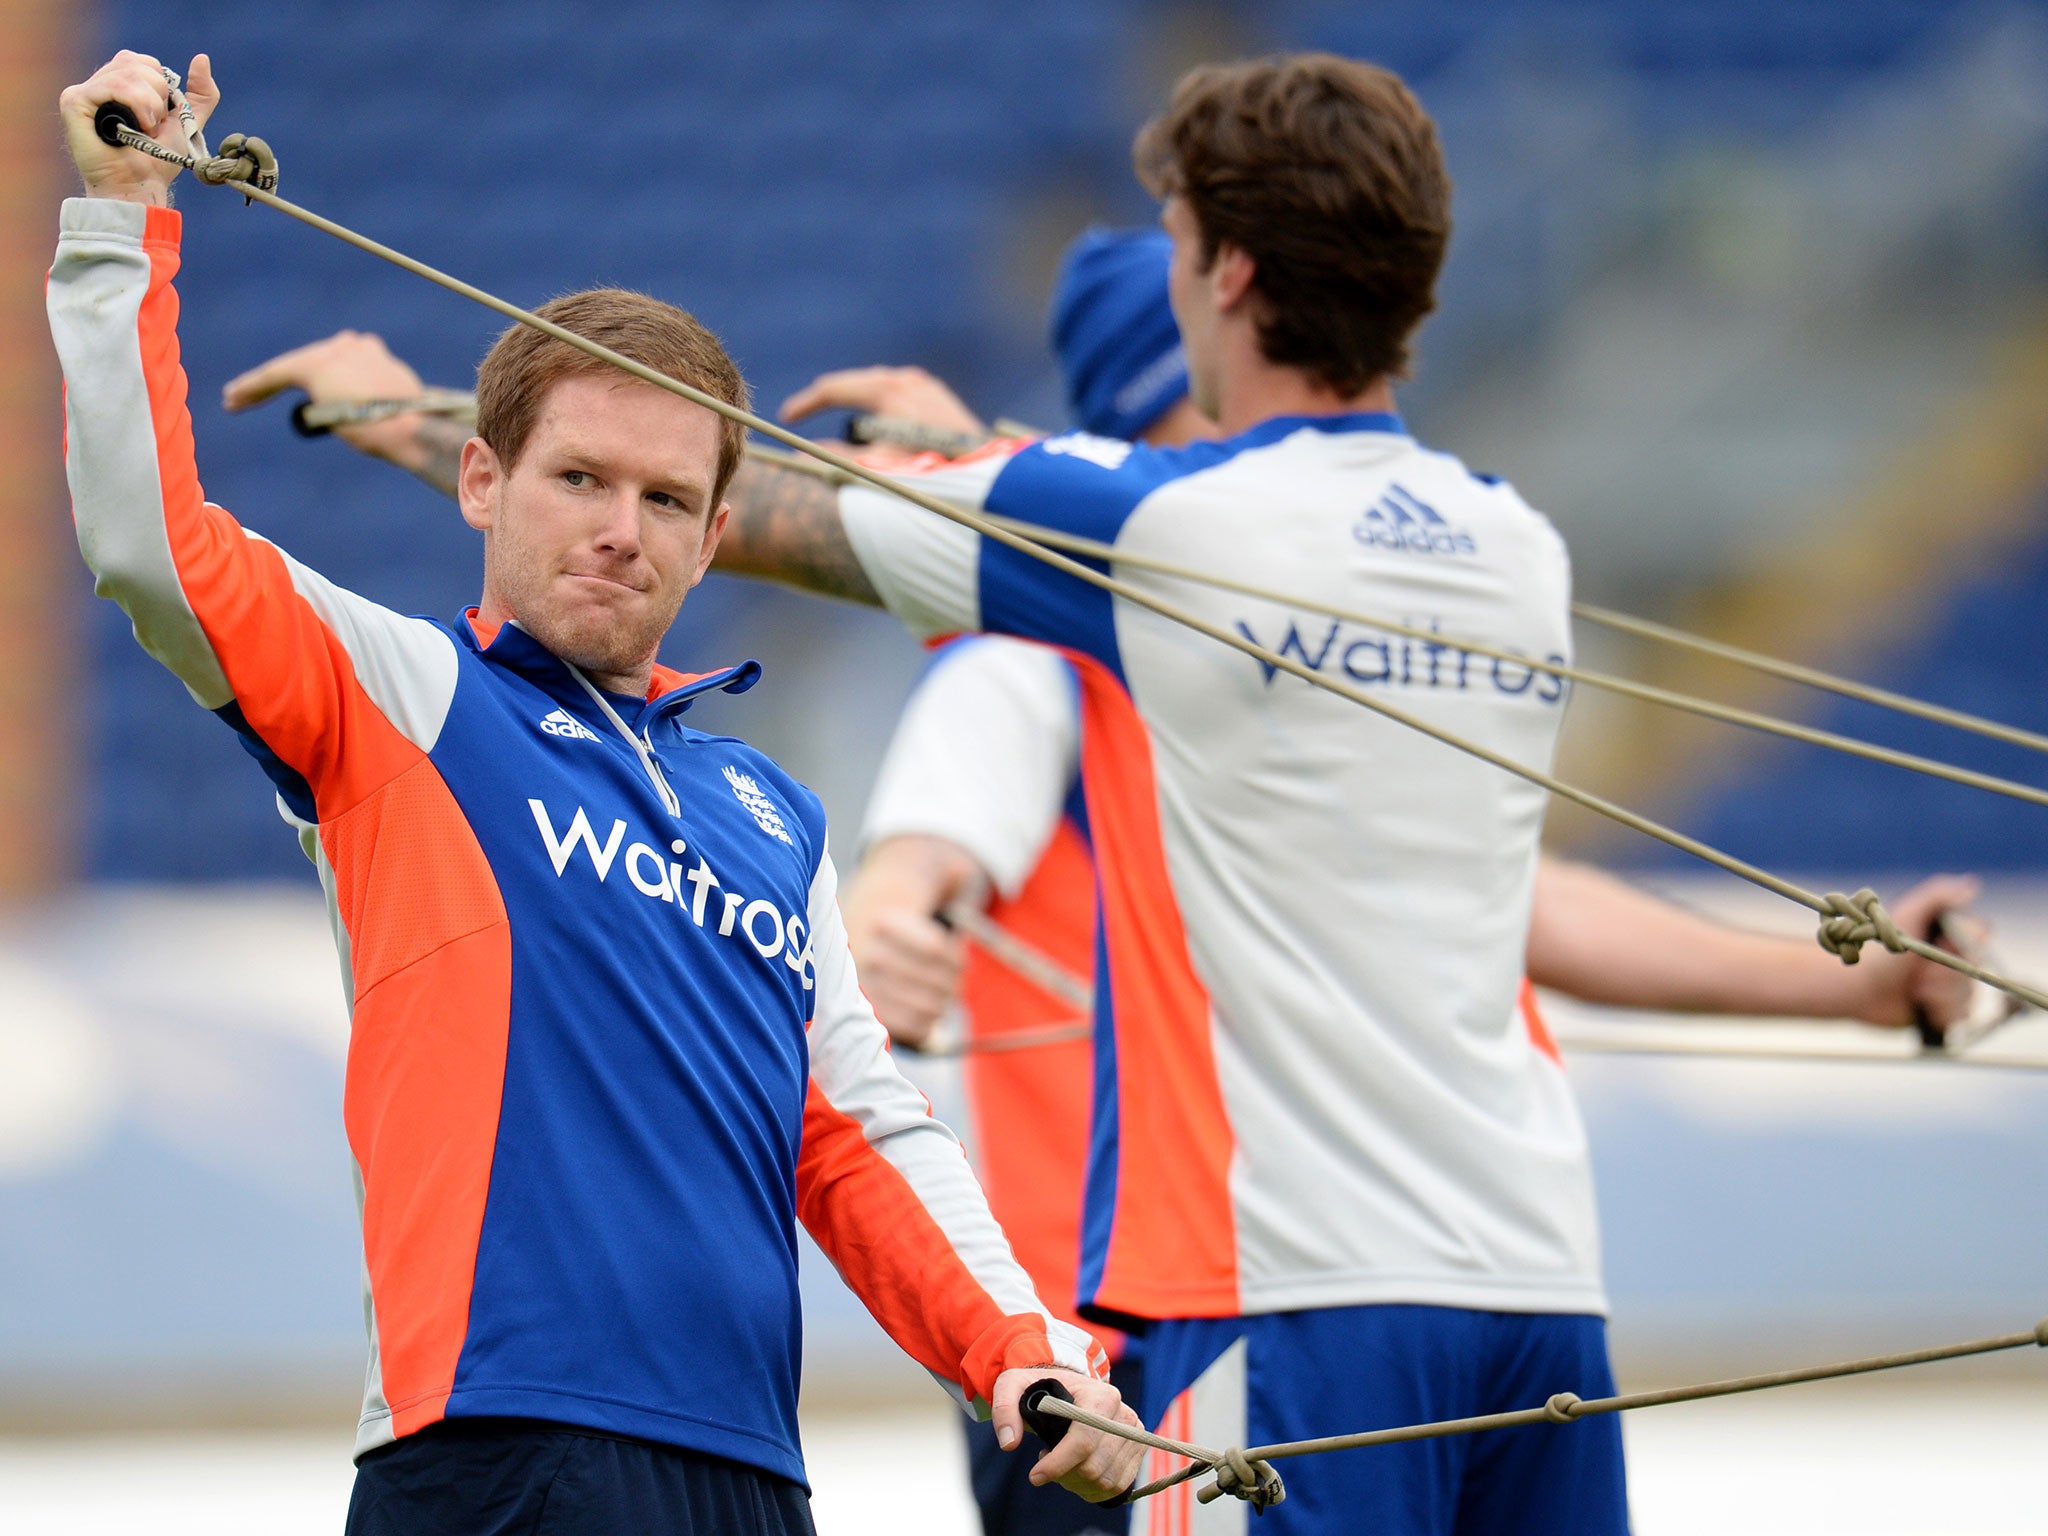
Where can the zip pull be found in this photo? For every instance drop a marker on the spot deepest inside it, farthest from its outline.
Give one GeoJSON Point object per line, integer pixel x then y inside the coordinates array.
{"type": "Point", "coordinates": [668, 795]}
{"type": "Point", "coordinates": [644, 750]}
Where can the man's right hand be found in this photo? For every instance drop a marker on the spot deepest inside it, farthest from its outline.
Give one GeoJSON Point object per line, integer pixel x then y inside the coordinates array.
{"type": "Point", "coordinates": [349, 365]}
{"type": "Point", "coordinates": [1887, 989]}
{"type": "Point", "coordinates": [136, 81]}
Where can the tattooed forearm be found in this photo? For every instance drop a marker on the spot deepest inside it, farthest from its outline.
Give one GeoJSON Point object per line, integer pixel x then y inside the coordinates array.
{"type": "Point", "coordinates": [436, 451]}
{"type": "Point", "coordinates": [786, 527]}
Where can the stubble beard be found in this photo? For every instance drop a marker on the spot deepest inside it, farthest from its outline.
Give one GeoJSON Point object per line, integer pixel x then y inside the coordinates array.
{"type": "Point", "coordinates": [591, 638]}
{"type": "Point", "coordinates": [593, 643]}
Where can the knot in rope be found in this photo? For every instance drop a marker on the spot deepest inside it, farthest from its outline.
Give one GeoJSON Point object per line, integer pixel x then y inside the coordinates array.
{"type": "Point", "coordinates": [1850, 922]}
{"type": "Point", "coordinates": [243, 157]}
{"type": "Point", "coordinates": [1241, 1477]}
{"type": "Point", "coordinates": [1562, 1408]}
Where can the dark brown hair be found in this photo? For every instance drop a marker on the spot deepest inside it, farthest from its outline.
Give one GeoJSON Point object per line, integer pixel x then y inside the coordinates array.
{"type": "Point", "coordinates": [1326, 172]}
{"type": "Point", "coordinates": [525, 364]}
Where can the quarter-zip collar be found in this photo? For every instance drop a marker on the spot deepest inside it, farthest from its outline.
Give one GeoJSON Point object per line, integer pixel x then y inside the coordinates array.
{"type": "Point", "coordinates": [642, 743]}
{"type": "Point", "coordinates": [669, 692]}
{"type": "Point", "coordinates": [673, 692]}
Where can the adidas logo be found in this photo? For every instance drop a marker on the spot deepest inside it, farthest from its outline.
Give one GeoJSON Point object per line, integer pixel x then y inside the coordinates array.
{"type": "Point", "coordinates": [1106, 452]}
{"type": "Point", "coordinates": [1404, 522]}
{"type": "Point", "coordinates": [561, 723]}
{"type": "Point", "coordinates": [758, 805]}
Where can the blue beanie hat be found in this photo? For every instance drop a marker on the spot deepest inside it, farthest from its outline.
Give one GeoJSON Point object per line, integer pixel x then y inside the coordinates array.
{"type": "Point", "coordinates": [1119, 350]}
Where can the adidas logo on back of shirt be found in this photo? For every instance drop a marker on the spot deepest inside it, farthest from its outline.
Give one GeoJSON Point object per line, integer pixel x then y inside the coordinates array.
{"type": "Point", "coordinates": [561, 723]}
{"type": "Point", "coordinates": [1404, 522]}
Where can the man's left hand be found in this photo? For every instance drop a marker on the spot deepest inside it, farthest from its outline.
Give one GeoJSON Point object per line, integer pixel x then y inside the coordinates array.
{"type": "Point", "coordinates": [909, 963]}
{"type": "Point", "coordinates": [1088, 1462]}
{"type": "Point", "coordinates": [909, 393]}
{"type": "Point", "coordinates": [349, 365]}
{"type": "Point", "coordinates": [136, 80]}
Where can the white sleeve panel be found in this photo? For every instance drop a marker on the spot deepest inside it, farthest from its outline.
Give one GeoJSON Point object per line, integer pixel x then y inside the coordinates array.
{"type": "Point", "coordinates": [983, 756]}
{"type": "Point", "coordinates": [926, 569]}
{"type": "Point", "coordinates": [234, 617]}
{"type": "Point", "coordinates": [911, 1282]}
{"type": "Point", "coordinates": [97, 285]}
{"type": "Point", "coordinates": [407, 666]}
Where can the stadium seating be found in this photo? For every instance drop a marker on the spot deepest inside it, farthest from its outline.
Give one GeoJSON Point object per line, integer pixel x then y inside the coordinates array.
{"type": "Point", "coordinates": [1987, 652]}
{"type": "Point", "coordinates": [827, 183]}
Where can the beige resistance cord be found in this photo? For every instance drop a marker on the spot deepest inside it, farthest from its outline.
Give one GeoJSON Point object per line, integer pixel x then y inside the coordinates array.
{"type": "Point", "coordinates": [1094, 549]}
{"type": "Point", "coordinates": [1247, 1472]}
{"type": "Point", "coordinates": [1847, 922]}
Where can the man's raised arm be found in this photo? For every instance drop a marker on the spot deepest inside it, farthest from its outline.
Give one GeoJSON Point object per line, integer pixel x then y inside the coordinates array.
{"type": "Point", "coordinates": [322, 681]}
{"type": "Point", "coordinates": [1600, 940]}
{"type": "Point", "coordinates": [785, 526]}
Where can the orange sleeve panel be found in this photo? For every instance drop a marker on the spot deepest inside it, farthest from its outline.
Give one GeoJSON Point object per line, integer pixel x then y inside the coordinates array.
{"type": "Point", "coordinates": [875, 1228]}
{"type": "Point", "coordinates": [288, 670]}
{"type": "Point", "coordinates": [429, 943]}
{"type": "Point", "coordinates": [1173, 1249]}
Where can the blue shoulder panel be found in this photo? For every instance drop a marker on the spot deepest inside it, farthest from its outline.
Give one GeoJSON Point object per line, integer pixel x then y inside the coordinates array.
{"type": "Point", "coordinates": [1075, 484]}
{"type": "Point", "coordinates": [1090, 486]}
{"type": "Point", "coordinates": [291, 785]}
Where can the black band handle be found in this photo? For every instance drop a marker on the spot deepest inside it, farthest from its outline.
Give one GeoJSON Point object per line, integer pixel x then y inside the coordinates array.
{"type": "Point", "coordinates": [1049, 1427]}
{"type": "Point", "coordinates": [304, 427]}
{"type": "Point", "coordinates": [1932, 1036]}
{"type": "Point", "coordinates": [112, 117]}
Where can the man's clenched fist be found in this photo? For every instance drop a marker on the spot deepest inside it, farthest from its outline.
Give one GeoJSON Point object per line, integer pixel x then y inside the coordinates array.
{"type": "Point", "coordinates": [136, 81]}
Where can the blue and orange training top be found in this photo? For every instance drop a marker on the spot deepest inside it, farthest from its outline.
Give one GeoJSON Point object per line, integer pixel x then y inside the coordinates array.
{"type": "Point", "coordinates": [606, 1046]}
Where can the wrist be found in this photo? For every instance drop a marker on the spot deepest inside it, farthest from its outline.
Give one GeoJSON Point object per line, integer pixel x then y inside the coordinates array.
{"type": "Point", "coordinates": [1020, 1342]}
{"type": "Point", "coordinates": [431, 449]}
{"type": "Point", "coordinates": [398, 440]}
{"type": "Point", "coordinates": [1817, 985]}
{"type": "Point", "coordinates": [150, 194]}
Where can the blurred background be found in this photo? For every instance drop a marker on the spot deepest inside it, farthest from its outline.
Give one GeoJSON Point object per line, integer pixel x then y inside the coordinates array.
{"type": "Point", "coordinates": [1751, 299]}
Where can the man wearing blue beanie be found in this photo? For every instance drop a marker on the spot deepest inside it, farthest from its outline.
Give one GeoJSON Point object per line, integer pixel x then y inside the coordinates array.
{"type": "Point", "coordinates": [934, 835]}
{"type": "Point", "coordinates": [1120, 352]}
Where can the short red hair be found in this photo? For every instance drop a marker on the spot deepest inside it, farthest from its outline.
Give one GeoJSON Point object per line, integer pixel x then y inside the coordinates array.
{"type": "Point", "coordinates": [524, 364]}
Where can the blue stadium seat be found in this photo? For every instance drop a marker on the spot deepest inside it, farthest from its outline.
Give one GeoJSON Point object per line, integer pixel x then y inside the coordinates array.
{"type": "Point", "coordinates": [825, 182]}
{"type": "Point", "coordinates": [1984, 653]}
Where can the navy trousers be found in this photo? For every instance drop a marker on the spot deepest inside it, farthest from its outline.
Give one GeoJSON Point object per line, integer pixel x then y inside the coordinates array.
{"type": "Point", "coordinates": [527, 1477]}
{"type": "Point", "coordinates": [1337, 1369]}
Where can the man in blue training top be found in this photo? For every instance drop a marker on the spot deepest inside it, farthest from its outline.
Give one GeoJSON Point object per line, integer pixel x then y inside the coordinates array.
{"type": "Point", "coordinates": [607, 1046]}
